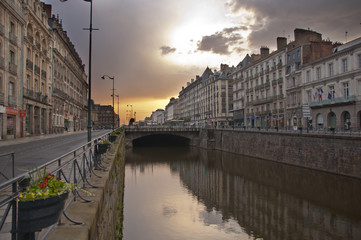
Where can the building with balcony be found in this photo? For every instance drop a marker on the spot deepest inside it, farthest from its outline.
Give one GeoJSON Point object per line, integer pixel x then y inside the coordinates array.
{"type": "Point", "coordinates": [331, 87]}
{"type": "Point", "coordinates": [307, 47]}
{"type": "Point", "coordinates": [216, 98]}
{"type": "Point", "coordinates": [70, 85]}
{"type": "Point", "coordinates": [12, 21]}
{"type": "Point", "coordinates": [37, 83]}
{"type": "Point", "coordinates": [259, 88]}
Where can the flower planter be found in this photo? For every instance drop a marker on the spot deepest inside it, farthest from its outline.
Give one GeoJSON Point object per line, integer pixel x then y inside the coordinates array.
{"type": "Point", "coordinates": [36, 215]}
{"type": "Point", "coordinates": [112, 138]}
{"type": "Point", "coordinates": [102, 148]}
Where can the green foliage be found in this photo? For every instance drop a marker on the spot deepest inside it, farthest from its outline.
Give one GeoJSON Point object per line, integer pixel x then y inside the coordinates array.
{"type": "Point", "coordinates": [43, 186]}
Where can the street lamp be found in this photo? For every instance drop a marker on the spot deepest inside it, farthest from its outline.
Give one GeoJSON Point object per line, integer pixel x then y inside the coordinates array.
{"type": "Point", "coordinates": [89, 67]}
{"type": "Point", "coordinates": [118, 110]}
{"type": "Point", "coordinates": [112, 78]}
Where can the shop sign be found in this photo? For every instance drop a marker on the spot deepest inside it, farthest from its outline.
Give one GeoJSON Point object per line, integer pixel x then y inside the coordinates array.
{"type": "Point", "coordinates": [2, 109]}
{"type": "Point", "coordinates": [11, 111]}
{"type": "Point", "coordinates": [22, 113]}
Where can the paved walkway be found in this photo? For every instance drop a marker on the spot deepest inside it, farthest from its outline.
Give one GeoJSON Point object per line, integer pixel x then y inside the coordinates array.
{"type": "Point", "coordinates": [35, 138]}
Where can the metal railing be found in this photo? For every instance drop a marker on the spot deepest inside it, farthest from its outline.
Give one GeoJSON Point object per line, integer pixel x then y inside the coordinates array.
{"type": "Point", "coordinates": [76, 166]}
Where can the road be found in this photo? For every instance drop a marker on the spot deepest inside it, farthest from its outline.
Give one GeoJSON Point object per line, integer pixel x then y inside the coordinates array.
{"type": "Point", "coordinates": [31, 152]}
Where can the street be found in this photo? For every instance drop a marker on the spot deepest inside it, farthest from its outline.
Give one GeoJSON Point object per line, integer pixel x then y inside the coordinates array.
{"type": "Point", "coordinates": [31, 152]}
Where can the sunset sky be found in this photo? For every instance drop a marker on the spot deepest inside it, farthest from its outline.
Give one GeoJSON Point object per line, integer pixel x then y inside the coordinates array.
{"type": "Point", "coordinates": [154, 47]}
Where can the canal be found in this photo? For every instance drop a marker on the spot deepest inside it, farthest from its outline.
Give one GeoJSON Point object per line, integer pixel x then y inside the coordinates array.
{"type": "Point", "coordinates": [190, 193]}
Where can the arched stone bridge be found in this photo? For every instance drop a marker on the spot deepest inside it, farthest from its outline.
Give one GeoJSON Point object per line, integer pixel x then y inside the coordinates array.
{"type": "Point", "coordinates": [186, 135]}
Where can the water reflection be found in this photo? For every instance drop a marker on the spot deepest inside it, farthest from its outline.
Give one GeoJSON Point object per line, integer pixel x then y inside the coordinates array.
{"type": "Point", "coordinates": [216, 195]}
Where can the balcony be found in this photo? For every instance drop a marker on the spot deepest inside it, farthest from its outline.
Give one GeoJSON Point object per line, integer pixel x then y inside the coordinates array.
{"type": "Point", "coordinates": [2, 98]}
{"type": "Point", "coordinates": [13, 38]}
{"type": "Point", "coordinates": [37, 69]}
{"type": "Point", "coordinates": [30, 39]}
{"type": "Point", "coordinates": [37, 45]}
{"type": "Point", "coordinates": [262, 101]}
{"type": "Point", "coordinates": [333, 102]}
{"type": "Point", "coordinates": [13, 68]}
{"type": "Point", "coordinates": [12, 101]}
{"type": "Point", "coordinates": [2, 63]}
{"type": "Point", "coordinates": [2, 30]}
{"type": "Point", "coordinates": [43, 74]}
{"type": "Point", "coordinates": [29, 65]}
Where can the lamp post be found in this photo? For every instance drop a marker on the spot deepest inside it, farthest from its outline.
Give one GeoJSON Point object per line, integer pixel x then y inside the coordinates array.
{"type": "Point", "coordinates": [118, 110]}
{"type": "Point", "coordinates": [112, 78]}
{"type": "Point", "coordinates": [90, 69]}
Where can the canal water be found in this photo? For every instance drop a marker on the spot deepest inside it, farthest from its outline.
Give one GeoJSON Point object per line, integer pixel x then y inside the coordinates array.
{"type": "Point", "coordinates": [189, 193]}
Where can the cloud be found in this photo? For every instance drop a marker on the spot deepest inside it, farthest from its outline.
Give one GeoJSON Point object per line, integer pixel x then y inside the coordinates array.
{"type": "Point", "coordinates": [220, 42]}
{"type": "Point", "coordinates": [331, 18]}
{"type": "Point", "coordinates": [167, 50]}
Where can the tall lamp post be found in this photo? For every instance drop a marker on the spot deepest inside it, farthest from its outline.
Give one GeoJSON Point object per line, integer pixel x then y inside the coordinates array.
{"type": "Point", "coordinates": [112, 78]}
{"type": "Point", "coordinates": [118, 110]}
{"type": "Point", "coordinates": [90, 69]}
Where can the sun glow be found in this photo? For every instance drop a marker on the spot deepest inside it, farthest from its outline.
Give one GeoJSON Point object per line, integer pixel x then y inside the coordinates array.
{"type": "Point", "coordinates": [186, 36]}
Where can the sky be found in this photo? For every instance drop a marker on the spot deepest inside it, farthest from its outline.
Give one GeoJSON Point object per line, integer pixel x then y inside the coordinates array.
{"type": "Point", "coordinates": [153, 48]}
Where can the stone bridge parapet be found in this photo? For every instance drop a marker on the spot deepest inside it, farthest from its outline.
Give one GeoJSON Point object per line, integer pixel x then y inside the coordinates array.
{"type": "Point", "coordinates": [136, 132]}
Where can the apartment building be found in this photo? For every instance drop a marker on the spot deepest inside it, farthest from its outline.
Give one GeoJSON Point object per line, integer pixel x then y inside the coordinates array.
{"type": "Point", "coordinates": [259, 88]}
{"type": "Point", "coordinates": [217, 99]}
{"type": "Point", "coordinates": [307, 47]}
{"type": "Point", "coordinates": [170, 110]}
{"type": "Point", "coordinates": [12, 22]}
{"type": "Point", "coordinates": [70, 85]}
{"type": "Point", "coordinates": [331, 87]}
{"type": "Point", "coordinates": [37, 85]}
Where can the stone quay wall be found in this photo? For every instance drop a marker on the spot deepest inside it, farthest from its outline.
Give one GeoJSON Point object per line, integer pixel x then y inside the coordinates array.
{"type": "Point", "coordinates": [102, 218]}
{"type": "Point", "coordinates": [338, 154]}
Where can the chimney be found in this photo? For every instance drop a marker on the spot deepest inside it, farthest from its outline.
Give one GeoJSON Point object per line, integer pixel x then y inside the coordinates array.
{"type": "Point", "coordinates": [264, 52]}
{"type": "Point", "coordinates": [281, 42]}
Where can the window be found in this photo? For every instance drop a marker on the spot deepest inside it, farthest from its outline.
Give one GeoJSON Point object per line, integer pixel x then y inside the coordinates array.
{"type": "Point", "coordinates": [331, 92]}
{"type": "Point", "coordinates": [318, 72]}
{"type": "Point", "coordinates": [11, 89]}
{"type": "Point", "coordinates": [12, 57]}
{"type": "Point", "coordinates": [330, 68]}
{"type": "Point", "coordinates": [27, 81]}
{"type": "Point", "coordinates": [309, 96]}
{"type": "Point", "coordinates": [28, 56]}
{"type": "Point", "coordinates": [308, 76]}
{"type": "Point", "coordinates": [345, 90]}
{"type": "Point", "coordinates": [280, 90]}
{"type": "Point", "coordinates": [344, 65]}
{"type": "Point", "coordinates": [12, 28]}
{"type": "Point", "coordinates": [359, 61]}
{"type": "Point", "coordinates": [36, 85]}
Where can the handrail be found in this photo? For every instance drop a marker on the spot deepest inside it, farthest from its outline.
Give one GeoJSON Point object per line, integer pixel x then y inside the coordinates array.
{"type": "Point", "coordinates": [66, 165]}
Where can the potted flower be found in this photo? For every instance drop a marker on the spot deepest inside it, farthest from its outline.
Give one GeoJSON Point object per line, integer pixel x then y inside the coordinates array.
{"type": "Point", "coordinates": [41, 203]}
{"type": "Point", "coordinates": [103, 146]}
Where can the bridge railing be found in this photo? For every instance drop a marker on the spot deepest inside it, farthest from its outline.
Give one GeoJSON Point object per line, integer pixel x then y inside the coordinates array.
{"type": "Point", "coordinates": [76, 166]}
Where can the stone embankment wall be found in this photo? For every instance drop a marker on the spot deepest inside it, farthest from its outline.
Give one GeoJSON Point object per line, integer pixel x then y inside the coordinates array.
{"type": "Point", "coordinates": [331, 153]}
{"type": "Point", "coordinates": [101, 218]}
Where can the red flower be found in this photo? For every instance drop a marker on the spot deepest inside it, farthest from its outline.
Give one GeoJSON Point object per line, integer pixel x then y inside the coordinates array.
{"type": "Point", "coordinates": [43, 184]}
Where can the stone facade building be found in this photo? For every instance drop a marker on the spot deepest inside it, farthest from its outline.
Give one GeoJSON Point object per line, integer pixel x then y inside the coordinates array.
{"type": "Point", "coordinates": [70, 85]}
{"type": "Point", "coordinates": [259, 88]}
{"type": "Point", "coordinates": [12, 22]}
{"type": "Point", "coordinates": [331, 87]}
{"type": "Point", "coordinates": [43, 86]}
{"type": "Point", "coordinates": [37, 82]}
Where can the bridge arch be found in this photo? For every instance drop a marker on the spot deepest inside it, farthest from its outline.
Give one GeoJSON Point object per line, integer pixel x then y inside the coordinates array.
{"type": "Point", "coordinates": [161, 140]}
{"type": "Point", "coordinates": [153, 136]}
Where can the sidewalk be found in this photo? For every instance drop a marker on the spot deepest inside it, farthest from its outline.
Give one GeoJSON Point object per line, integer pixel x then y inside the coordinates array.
{"type": "Point", "coordinates": [35, 138]}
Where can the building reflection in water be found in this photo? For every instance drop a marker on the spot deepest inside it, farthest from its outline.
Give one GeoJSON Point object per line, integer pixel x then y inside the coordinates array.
{"type": "Point", "coordinates": [267, 199]}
